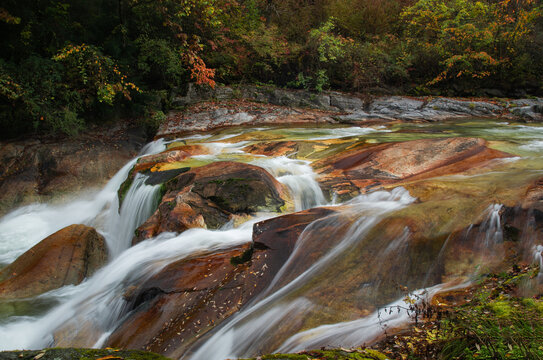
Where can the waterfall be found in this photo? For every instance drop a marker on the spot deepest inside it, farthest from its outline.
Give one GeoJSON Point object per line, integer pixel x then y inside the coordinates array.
{"type": "Point", "coordinates": [358, 332]}
{"type": "Point", "coordinates": [298, 309]}
{"type": "Point", "coordinates": [299, 178]}
{"type": "Point", "coordinates": [491, 227]}
{"type": "Point", "coordinates": [139, 204]}
{"type": "Point", "coordinates": [538, 259]}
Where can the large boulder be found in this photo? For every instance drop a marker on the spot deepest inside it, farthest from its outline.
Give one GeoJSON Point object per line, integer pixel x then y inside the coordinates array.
{"type": "Point", "coordinates": [368, 167]}
{"type": "Point", "coordinates": [212, 195]}
{"type": "Point", "coordinates": [65, 257]}
{"type": "Point", "coordinates": [188, 298]}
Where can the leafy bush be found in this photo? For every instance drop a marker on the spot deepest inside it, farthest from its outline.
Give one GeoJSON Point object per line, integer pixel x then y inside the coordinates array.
{"type": "Point", "coordinates": [159, 63]}
{"type": "Point", "coordinates": [471, 43]}
{"type": "Point", "coordinates": [93, 74]}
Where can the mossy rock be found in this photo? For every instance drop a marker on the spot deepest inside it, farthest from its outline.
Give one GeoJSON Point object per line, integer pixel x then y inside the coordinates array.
{"type": "Point", "coordinates": [332, 354]}
{"type": "Point", "coordinates": [83, 354]}
{"type": "Point", "coordinates": [125, 186]}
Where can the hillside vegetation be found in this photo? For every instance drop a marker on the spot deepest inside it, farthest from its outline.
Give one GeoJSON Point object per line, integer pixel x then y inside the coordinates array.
{"type": "Point", "coordinates": [65, 63]}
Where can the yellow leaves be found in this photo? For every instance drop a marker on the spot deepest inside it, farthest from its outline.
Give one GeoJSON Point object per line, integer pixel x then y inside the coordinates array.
{"type": "Point", "coordinates": [108, 357]}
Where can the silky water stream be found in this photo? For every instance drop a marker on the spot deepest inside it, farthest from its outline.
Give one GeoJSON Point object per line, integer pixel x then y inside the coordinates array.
{"type": "Point", "coordinates": [428, 235]}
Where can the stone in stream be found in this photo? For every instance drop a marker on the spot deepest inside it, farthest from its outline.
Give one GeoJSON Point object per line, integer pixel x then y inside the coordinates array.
{"type": "Point", "coordinates": [63, 258]}
{"type": "Point", "coordinates": [212, 195]}
{"type": "Point", "coordinates": [369, 167]}
{"type": "Point", "coordinates": [188, 298]}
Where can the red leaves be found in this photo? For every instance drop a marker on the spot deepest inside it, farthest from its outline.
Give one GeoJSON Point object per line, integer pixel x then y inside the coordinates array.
{"type": "Point", "coordinates": [200, 72]}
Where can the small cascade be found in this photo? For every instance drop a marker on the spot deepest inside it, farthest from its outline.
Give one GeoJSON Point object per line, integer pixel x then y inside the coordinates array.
{"type": "Point", "coordinates": [538, 259]}
{"type": "Point", "coordinates": [241, 335]}
{"type": "Point", "coordinates": [299, 178]}
{"type": "Point", "coordinates": [154, 147]}
{"type": "Point", "coordinates": [358, 332]}
{"type": "Point", "coordinates": [489, 239]}
{"type": "Point", "coordinates": [491, 227]}
{"type": "Point", "coordinates": [139, 204]}
{"type": "Point", "coordinates": [96, 306]}
{"type": "Point", "coordinates": [25, 227]}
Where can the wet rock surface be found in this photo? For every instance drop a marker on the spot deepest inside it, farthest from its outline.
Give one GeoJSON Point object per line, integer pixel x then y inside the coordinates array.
{"type": "Point", "coordinates": [212, 195]}
{"type": "Point", "coordinates": [188, 298]}
{"type": "Point", "coordinates": [64, 258]}
{"type": "Point", "coordinates": [206, 117]}
{"type": "Point", "coordinates": [374, 166]}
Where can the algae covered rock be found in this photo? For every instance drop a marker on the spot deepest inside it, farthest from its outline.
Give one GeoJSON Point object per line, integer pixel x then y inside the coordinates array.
{"type": "Point", "coordinates": [63, 258]}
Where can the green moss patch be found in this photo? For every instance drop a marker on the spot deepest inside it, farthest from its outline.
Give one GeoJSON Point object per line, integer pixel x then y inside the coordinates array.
{"type": "Point", "coordinates": [494, 322]}
{"type": "Point", "coordinates": [331, 354]}
{"type": "Point", "coordinates": [80, 354]}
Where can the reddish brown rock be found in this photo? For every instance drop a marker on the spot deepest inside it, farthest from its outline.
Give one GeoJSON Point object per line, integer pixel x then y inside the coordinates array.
{"type": "Point", "coordinates": [534, 196]}
{"type": "Point", "coordinates": [66, 257]}
{"type": "Point", "coordinates": [391, 163]}
{"type": "Point", "coordinates": [277, 148]}
{"type": "Point", "coordinates": [194, 149]}
{"type": "Point", "coordinates": [147, 162]}
{"type": "Point", "coordinates": [209, 196]}
{"type": "Point", "coordinates": [188, 298]}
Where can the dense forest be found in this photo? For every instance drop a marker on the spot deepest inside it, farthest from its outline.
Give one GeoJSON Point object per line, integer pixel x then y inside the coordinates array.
{"type": "Point", "coordinates": [66, 63]}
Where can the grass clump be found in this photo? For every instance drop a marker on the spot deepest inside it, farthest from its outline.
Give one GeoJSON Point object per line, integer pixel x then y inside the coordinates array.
{"type": "Point", "coordinates": [494, 322]}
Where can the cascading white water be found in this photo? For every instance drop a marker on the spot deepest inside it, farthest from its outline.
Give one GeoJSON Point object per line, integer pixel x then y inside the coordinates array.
{"type": "Point", "coordinates": [538, 259]}
{"type": "Point", "coordinates": [241, 335]}
{"type": "Point", "coordinates": [298, 176]}
{"type": "Point", "coordinates": [98, 303]}
{"type": "Point", "coordinates": [358, 332]}
{"type": "Point", "coordinates": [492, 229]}
{"type": "Point", "coordinates": [139, 203]}
{"type": "Point", "coordinates": [28, 225]}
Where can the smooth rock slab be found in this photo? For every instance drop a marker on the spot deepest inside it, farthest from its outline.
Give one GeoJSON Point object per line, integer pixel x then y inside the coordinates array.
{"type": "Point", "coordinates": [64, 258]}
{"type": "Point", "coordinates": [390, 163]}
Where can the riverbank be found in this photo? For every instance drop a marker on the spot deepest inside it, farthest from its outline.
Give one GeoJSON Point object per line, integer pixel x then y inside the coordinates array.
{"type": "Point", "coordinates": [208, 109]}
{"type": "Point", "coordinates": [51, 168]}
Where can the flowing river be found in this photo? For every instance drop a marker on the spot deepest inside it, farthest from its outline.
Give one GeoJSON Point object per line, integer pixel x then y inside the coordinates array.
{"type": "Point", "coordinates": [420, 236]}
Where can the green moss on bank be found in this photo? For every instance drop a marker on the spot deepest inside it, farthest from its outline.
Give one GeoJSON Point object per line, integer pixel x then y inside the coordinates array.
{"type": "Point", "coordinates": [79, 354]}
{"type": "Point", "coordinates": [332, 354]}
